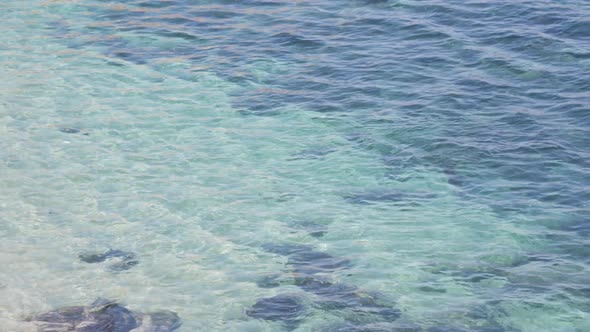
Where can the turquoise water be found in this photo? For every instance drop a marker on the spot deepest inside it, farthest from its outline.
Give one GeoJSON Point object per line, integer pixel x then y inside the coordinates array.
{"type": "Point", "coordinates": [438, 152]}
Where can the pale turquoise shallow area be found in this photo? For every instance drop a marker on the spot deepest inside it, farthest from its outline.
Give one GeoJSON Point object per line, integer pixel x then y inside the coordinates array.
{"type": "Point", "coordinates": [442, 148]}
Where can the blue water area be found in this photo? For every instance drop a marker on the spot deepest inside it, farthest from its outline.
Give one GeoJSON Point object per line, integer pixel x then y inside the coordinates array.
{"type": "Point", "coordinates": [266, 165]}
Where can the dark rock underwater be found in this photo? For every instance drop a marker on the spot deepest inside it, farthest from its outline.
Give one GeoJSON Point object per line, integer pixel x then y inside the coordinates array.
{"type": "Point", "coordinates": [105, 316]}
{"type": "Point", "coordinates": [118, 260]}
{"type": "Point", "coordinates": [310, 270]}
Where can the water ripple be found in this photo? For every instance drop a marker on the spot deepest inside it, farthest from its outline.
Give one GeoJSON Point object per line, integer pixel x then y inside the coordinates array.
{"type": "Point", "coordinates": [442, 145]}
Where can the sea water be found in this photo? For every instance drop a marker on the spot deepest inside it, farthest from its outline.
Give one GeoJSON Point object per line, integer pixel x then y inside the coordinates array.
{"type": "Point", "coordinates": [440, 148]}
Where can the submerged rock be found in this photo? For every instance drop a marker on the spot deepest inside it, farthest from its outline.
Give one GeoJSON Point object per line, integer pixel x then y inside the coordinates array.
{"type": "Point", "coordinates": [162, 321]}
{"type": "Point", "coordinates": [285, 308]}
{"type": "Point", "coordinates": [285, 249]}
{"type": "Point", "coordinates": [476, 329]}
{"type": "Point", "coordinates": [105, 316]}
{"type": "Point", "coordinates": [310, 269]}
{"type": "Point", "coordinates": [313, 262]}
{"type": "Point", "coordinates": [342, 295]}
{"type": "Point", "coordinates": [122, 265]}
{"type": "Point", "coordinates": [305, 260]}
{"type": "Point", "coordinates": [101, 257]}
{"type": "Point", "coordinates": [318, 233]}
{"type": "Point", "coordinates": [312, 153]}
{"type": "Point", "coordinates": [73, 131]}
{"type": "Point", "coordinates": [269, 281]}
{"type": "Point", "coordinates": [375, 327]}
{"type": "Point", "coordinates": [338, 296]}
{"type": "Point", "coordinates": [69, 130]}
{"type": "Point", "coordinates": [102, 315]}
{"type": "Point", "coordinates": [453, 178]}
{"type": "Point", "coordinates": [119, 318]}
{"type": "Point", "coordinates": [64, 319]}
{"type": "Point", "coordinates": [316, 230]}
{"type": "Point", "coordinates": [122, 260]}
{"type": "Point", "coordinates": [430, 289]}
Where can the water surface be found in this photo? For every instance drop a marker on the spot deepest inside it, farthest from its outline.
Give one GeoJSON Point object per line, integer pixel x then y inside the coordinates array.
{"type": "Point", "coordinates": [438, 152]}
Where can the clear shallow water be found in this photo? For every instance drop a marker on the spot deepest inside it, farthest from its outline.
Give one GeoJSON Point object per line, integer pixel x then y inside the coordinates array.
{"type": "Point", "coordinates": [440, 147]}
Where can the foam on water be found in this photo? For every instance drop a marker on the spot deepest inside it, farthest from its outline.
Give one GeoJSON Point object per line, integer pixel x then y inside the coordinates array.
{"type": "Point", "coordinates": [442, 149]}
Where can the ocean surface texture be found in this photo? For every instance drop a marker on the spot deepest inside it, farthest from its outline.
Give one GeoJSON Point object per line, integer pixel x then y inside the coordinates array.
{"type": "Point", "coordinates": [295, 165]}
